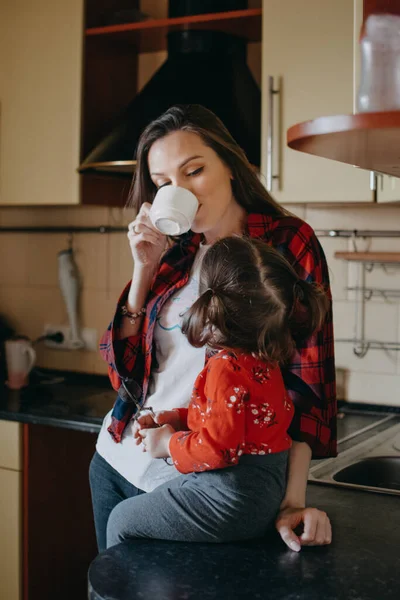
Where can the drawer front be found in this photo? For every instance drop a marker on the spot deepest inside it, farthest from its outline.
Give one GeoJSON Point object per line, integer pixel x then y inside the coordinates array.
{"type": "Point", "coordinates": [10, 535]}
{"type": "Point", "coordinates": [10, 445]}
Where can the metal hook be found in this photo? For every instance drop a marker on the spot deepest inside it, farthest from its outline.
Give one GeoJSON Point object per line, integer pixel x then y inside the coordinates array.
{"type": "Point", "coordinates": [364, 347]}
{"type": "Point", "coordinates": [369, 267]}
{"type": "Point", "coordinates": [390, 269]}
{"type": "Point", "coordinates": [353, 240]}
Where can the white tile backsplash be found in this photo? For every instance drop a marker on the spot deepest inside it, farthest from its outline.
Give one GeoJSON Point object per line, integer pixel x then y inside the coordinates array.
{"type": "Point", "coordinates": [121, 261]}
{"type": "Point", "coordinates": [373, 388]}
{"type": "Point", "coordinates": [387, 278]}
{"type": "Point", "coordinates": [375, 361]}
{"type": "Point", "coordinates": [30, 296]}
{"type": "Point", "coordinates": [375, 378]}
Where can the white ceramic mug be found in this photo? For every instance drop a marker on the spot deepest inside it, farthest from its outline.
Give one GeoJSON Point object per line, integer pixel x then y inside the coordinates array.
{"type": "Point", "coordinates": [173, 210]}
{"type": "Point", "coordinates": [20, 358]}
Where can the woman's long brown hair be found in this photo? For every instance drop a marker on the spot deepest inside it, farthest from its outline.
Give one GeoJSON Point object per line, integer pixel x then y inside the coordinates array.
{"type": "Point", "coordinates": [253, 300]}
{"type": "Point", "coordinates": [246, 186]}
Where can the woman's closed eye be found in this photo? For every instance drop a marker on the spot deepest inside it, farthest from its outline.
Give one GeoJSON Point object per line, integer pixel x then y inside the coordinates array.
{"type": "Point", "coordinates": [195, 172]}
{"type": "Point", "coordinates": [190, 174]}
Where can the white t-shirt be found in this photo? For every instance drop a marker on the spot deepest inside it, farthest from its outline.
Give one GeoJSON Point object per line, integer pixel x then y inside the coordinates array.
{"type": "Point", "coordinates": [170, 386]}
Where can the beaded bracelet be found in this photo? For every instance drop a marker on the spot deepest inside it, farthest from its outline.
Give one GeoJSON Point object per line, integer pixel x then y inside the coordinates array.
{"type": "Point", "coordinates": [132, 316]}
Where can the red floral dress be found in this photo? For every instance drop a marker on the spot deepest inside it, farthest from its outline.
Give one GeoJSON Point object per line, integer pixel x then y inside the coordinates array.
{"type": "Point", "coordinates": [239, 405]}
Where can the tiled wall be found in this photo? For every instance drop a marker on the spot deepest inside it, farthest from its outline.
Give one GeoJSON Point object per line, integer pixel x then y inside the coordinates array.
{"type": "Point", "coordinates": [30, 297]}
{"type": "Point", "coordinates": [29, 292]}
{"type": "Point", "coordinates": [376, 377]}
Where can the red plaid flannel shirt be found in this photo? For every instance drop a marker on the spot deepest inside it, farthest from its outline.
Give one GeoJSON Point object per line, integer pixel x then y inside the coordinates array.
{"type": "Point", "coordinates": [310, 376]}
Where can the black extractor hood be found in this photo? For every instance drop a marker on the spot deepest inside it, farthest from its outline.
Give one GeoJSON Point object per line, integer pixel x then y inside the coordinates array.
{"type": "Point", "coordinates": [203, 67]}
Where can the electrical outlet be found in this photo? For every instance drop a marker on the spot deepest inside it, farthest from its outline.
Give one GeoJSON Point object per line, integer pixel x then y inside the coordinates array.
{"type": "Point", "coordinates": [88, 336]}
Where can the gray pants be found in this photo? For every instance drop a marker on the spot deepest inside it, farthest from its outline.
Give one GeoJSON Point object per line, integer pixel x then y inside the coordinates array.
{"type": "Point", "coordinates": [229, 504]}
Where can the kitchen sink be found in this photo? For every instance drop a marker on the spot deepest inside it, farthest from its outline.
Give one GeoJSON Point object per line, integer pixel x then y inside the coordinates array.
{"type": "Point", "coordinates": [378, 472]}
{"type": "Point", "coordinates": [368, 459]}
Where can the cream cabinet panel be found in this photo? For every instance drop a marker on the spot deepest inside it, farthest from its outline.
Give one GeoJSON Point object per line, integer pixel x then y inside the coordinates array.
{"type": "Point", "coordinates": [10, 445]}
{"type": "Point", "coordinates": [40, 98]}
{"type": "Point", "coordinates": [10, 535]}
{"type": "Point", "coordinates": [309, 50]}
{"type": "Point", "coordinates": [387, 189]}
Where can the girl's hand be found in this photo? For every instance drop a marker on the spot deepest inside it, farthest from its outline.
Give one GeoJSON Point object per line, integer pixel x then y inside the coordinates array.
{"type": "Point", "coordinates": [156, 441]}
{"type": "Point", "coordinates": [317, 530]}
{"type": "Point", "coordinates": [146, 242]}
{"type": "Point", "coordinates": [169, 417]}
{"type": "Point", "coordinates": [162, 417]}
{"type": "Point", "coordinates": [145, 421]}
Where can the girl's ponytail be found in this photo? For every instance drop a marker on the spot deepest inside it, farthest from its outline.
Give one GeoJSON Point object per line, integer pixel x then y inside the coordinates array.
{"type": "Point", "coordinates": [310, 307]}
{"type": "Point", "coordinates": [201, 319]}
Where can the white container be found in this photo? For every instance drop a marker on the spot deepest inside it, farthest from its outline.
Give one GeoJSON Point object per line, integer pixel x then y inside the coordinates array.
{"type": "Point", "coordinates": [20, 358]}
{"type": "Point", "coordinates": [380, 64]}
{"type": "Point", "coordinates": [173, 210]}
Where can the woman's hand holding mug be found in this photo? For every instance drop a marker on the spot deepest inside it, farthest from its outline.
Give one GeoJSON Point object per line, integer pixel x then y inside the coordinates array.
{"type": "Point", "coordinates": [171, 213]}
{"type": "Point", "coordinates": [146, 242]}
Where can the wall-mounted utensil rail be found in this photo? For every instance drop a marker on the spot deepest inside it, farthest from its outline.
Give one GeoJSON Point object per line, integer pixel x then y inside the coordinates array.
{"type": "Point", "coordinates": [368, 261]}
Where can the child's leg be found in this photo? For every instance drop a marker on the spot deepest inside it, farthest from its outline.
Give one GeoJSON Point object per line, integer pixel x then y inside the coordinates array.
{"type": "Point", "coordinates": [216, 506]}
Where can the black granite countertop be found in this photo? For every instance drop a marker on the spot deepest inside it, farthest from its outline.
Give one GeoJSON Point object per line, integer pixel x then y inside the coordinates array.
{"type": "Point", "coordinates": [80, 401]}
{"type": "Point", "coordinates": [74, 400]}
{"type": "Point", "coordinates": [362, 563]}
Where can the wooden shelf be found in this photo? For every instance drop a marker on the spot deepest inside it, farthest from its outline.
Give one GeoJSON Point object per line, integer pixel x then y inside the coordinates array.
{"type": "Point", "coordinates": [150, 35]}
{"type": "Point", "coordinates": [376, 257]}
{"type": "Point", "coordinates": [366, 140]}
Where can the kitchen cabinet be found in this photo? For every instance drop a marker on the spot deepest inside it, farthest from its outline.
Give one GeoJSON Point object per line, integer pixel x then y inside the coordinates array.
{"type": "Point", "coordinates": [57, 96]}
{"type": "Point", "coordinates": [40, 95]}
{"type": "Point", "coordinates": [310, 53]}
{"type": "Point", "coordinates": [59, 536]}
{"type": "Point", "coordinates": [47, 537]}
{"type": "Point", "coordinates": [10, 511]}
{"type": "Point", "coordinates": [387, 188]}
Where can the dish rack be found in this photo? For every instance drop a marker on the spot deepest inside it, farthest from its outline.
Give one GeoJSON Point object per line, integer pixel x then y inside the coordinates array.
{"type": "Point", "coordinates": [388, 261]}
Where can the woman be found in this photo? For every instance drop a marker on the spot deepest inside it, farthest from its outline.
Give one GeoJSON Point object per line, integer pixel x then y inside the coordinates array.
{"type": "Point", "coordinates": [188, 146]}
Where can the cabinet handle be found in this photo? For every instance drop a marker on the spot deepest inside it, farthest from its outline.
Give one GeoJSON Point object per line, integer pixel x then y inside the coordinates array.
{"type": "Point", "coordinates": [372, 181]}
{"type": "Point", "coordinates": [270, 133]}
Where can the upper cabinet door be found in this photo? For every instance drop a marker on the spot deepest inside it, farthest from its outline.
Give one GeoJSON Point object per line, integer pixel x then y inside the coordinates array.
{"type": "Point", "coordinates": [309, 50]}
{"type": "Point", "coordinates": [40, 101]}
{"type": "Point", "coordinates": [387, 188]}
